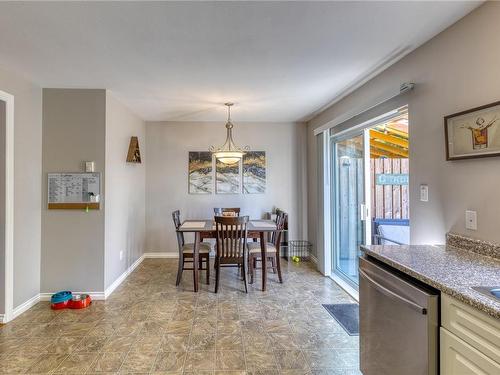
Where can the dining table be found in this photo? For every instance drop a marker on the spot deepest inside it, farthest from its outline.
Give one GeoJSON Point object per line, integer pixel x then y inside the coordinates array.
{"type": "Point", "coordinates": [207, 228]}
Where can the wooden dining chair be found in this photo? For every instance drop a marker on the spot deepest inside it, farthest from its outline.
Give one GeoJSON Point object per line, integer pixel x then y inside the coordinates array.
{"type": "Point", "coordinates": [272, 249]}
{"type": "Point", "coordinates": [220, 211]}
{"type": "Point", "coordinates": [186, 251]}
{"type": "Point", "coordinates": [231, 239]}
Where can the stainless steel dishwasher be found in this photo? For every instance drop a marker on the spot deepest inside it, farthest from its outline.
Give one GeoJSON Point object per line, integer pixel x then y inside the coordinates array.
{"type": "Point", "coordinates": [399, 323]}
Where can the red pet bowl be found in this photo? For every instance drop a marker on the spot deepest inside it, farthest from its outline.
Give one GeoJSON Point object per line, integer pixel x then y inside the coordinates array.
{"type": "Point", "coordinates": [60, 305]}
{"type": "Point", "coordinates": [79, 301]}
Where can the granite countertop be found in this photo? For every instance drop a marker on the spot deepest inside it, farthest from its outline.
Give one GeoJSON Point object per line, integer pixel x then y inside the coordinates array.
{"type": "Point", "coordinates": [449, 269]}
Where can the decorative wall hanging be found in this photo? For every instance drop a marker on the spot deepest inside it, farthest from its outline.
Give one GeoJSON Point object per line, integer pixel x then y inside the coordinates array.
{"type": "Point", "coordinates": [254, 172]}
{"type": "Point", "coordinates": [473, 133]}
{"type": "Point", "coordinates": [229, 153]}
{"type": "Point", "coordinates": [200, 172]}
{"type": "Point", "coordinates": [134, 154]}
{"type": "Point", "coordinates": [227, 178]}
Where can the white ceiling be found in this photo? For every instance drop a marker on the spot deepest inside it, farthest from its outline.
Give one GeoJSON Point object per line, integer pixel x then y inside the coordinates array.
{"type": "Point", "coordinates": [179, 61]}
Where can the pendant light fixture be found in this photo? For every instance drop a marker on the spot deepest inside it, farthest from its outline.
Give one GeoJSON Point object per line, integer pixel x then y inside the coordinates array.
{"type": "Point", "coordinates": [229, 153]}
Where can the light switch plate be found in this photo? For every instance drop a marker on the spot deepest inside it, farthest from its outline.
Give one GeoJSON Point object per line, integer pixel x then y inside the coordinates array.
{"type": "Point", "coordinates": [424, 193]}
{"type": "Point", "coordinates": [89, 166]}
{"type": "Point", "coordinates": [471, 220]}
{"type": "Point", "coordinates": [121, 254]}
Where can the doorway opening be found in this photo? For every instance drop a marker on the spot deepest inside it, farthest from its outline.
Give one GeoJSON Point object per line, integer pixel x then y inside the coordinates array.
{"type": "Point", "coordinates": [369, 190]}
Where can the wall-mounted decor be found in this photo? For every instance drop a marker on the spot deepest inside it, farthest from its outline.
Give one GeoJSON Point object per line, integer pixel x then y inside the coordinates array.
{"type": "Point", "coordinates": [473, 133]}
{"type": "Point", "coordinates": [227, 178]}
{"type": "Point", "coordinates": [73, 191]}
{"type": "Point", "coordinates": [200, 172]}
{"type": "Point", "coordinates": [134, 154]}
{"type": "Point", "coordinates": [254, 172]}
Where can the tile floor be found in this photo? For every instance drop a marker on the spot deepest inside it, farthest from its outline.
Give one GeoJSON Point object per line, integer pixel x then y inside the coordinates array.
{"type": "Point", "coordinates": [148, 326]}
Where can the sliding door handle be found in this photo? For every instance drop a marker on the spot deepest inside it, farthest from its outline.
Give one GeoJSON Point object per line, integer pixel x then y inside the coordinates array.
{"type": "Point", "coordinates": [393, 295]}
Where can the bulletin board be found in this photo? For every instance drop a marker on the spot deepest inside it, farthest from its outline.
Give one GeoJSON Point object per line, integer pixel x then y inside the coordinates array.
{"type": "Point", "coordinates": [74, 190]}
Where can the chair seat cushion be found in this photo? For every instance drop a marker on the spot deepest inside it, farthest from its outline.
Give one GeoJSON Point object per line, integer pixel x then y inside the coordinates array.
{"type": "Point", "coordinates": [254, 247]}
{"type": "Point", "coordinates": [203, 248]}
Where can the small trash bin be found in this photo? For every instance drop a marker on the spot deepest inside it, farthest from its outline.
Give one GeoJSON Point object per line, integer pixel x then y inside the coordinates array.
{"type": "Point", "coordinates": [298, 248]}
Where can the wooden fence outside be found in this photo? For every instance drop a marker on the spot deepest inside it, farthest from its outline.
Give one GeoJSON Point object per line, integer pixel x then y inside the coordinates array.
{"type": "Point", "coordinates": [389, 201]}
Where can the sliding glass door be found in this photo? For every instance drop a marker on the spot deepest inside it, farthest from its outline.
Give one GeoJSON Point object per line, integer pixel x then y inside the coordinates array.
{"type": "Point", "coordinates": [349, 202]}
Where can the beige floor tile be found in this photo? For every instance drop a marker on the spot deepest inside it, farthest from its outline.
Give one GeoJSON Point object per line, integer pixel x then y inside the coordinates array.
{"type": "Point", "coordinates": [138, 362]}
{"type": "Point", "coordinates": [17, 363]}
{"type": "Point", "coordinates": [169, 361]}
{"type": "Point", "coordinates": [174, 343]}
{"type": "Point", "coordinates": [230, 360]}
{"type": "Point", "coordinates": [261, 360]}
{"type": "Point", "coordinates": [46, 363]}
{"type": "Point", "coordinates": [77, 363]}
{"type": "Point", "coordinates": [108, 362]}
{"type": "Point", "coordinates": [200, 360]}
{"type": "Point", "coordinates": [291, 360]}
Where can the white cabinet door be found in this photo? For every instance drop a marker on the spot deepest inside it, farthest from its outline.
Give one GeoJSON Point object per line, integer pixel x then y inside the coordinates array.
{"type": "Point", "coordinates": [459, 358]}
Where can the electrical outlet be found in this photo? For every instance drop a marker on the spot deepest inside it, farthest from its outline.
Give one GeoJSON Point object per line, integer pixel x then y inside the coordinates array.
{"type": "Point", "coordinates": [471, 220]}
{"type": "Point", "coordinates": [424, 193]}
{"type": "Point", "coordinates": [121, 254]}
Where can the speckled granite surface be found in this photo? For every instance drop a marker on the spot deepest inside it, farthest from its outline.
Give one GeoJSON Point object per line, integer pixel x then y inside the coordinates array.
{"type": "Point", "coordinates": [472, 244]}
{"type": "Point", "coordinates": [451, 270]}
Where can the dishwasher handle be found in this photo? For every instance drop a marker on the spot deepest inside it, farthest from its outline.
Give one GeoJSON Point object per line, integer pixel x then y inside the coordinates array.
{"type": "Point", "coordinates": [390, 293]}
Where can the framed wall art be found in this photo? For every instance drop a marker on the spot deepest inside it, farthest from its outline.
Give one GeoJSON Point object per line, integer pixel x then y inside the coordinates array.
{"type": "Point", "coordinates": [200, 172]}
{"type": "Point", "coordinates": [474, 133]}
{"type": "Point", "coordinates": [254, 172]}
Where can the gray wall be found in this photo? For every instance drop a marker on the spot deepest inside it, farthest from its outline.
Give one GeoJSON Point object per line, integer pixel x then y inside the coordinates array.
{"type": "Point", "coordinates": [27, 176]}
{"type": "Point", "coordinates": [125, 219]}
{"type": "Point", "coordinates": [167, 175]}
{"type": "Point", "coordinates": [72, 240]}
{"type": "Point", "coordinates": [455, 71]}
{"type": "Point", "coordinates": [2, 205]}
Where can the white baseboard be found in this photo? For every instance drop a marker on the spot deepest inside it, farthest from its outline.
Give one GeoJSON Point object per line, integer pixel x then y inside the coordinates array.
{"type": "Point", "coordinates": [2, 317]}
{"type": "Point", "coordinates": [25, 306]}
{"type": "Point", "coordinates": [161, 255]}
{"type": "Point", "coordinates": [122, 277]}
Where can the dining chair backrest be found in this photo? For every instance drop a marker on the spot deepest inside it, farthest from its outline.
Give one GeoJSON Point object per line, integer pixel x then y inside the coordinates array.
{"type": "Point", "coordinates": [221, 211]}
{"type": "Point", "coordinates": [281, 219]}
{"type": "Point", "coordinates": [231, 236]}
{"type": "Point", "coordinates": [176, 216]}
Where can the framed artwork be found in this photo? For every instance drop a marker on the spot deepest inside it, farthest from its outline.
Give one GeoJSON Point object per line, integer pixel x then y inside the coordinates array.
{"type": "Point", "coordinates": [227, 180]}
{"type": "Point", "coordinates": [254, 172]}
{"type": "Point", "coordinates": [200, 172]}
{"type": "Point", "coordinates": [474, 133]}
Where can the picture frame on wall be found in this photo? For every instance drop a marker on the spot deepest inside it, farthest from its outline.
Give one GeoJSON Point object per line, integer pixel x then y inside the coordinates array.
{"type": "Point", "coordinates": [227, 178]}
{"type": "Point", "coordinates": [254, 172]}
{"type": "Point", "coordinates": [200, 172]}
{"type": "Point", "coordinates": [474, 133]}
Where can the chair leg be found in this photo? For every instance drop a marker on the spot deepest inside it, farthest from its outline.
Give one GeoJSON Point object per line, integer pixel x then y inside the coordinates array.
{"type": "Point", "coordinates": [245, 274]}
{"type": "Point", "coordinates": [217, 275]}
{"type": "Point", "coordinates": [278, 266]}
{"type": "Point", "coordinates": [273, 264]}
{"type": "Point", "coordinates": [208, 269]}
{"type": "Point", "coordinates": [179, 270]}
{"type": "Point", "coordinates": [250, 268]}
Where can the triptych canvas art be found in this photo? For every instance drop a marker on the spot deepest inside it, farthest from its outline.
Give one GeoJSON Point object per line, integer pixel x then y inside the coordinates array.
{"type": "Point", "coordinates": [248, 176]}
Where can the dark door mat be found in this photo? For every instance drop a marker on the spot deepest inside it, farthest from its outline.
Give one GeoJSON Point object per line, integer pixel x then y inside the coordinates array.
{"type": "Point", "coordinates": [347, 314]}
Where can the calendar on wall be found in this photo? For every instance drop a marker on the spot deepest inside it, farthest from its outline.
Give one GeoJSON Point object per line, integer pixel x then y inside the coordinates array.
{"type": "Point", "coordinates": [74, 190]}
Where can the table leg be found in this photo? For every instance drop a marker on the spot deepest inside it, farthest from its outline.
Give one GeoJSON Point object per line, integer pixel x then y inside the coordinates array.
{"type": "Point", "coordinates": [196, 251]}
{"type": "Point", "coordinates": [263, 257]}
